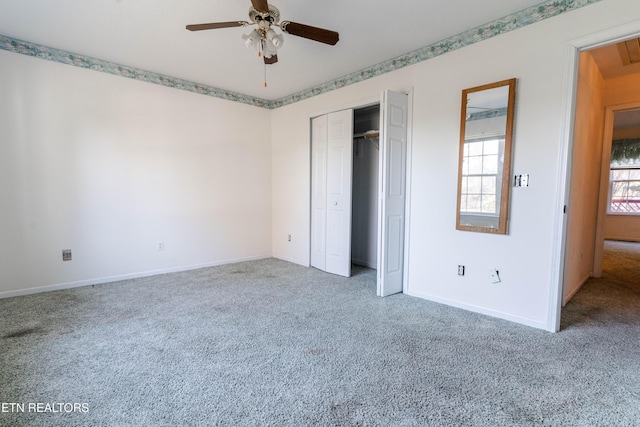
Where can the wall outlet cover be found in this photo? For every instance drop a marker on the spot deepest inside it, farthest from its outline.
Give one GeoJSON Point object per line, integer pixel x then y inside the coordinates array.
{"type": "Point", "coordinates": [494, 276]}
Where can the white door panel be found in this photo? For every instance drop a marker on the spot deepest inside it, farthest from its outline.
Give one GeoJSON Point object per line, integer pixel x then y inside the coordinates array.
{"type": "Point", "coordinates": [393, 160]}
{"type": "Point", "coordinates": [335, 171]}
{"type": "Point", "coordinates": [396, 164]}
{"type": "Point", "coordinates": [394, 244]}
{"type": "Point", "coordinates": [319, 137]}
{"type": "Point", "coordinates": [331, 164]}
{"type": "Point", "coordinates": [339, 178]}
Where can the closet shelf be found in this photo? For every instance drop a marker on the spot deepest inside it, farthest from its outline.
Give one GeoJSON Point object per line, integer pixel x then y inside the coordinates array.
{"type": "Point", "coordinates": [368, 134]}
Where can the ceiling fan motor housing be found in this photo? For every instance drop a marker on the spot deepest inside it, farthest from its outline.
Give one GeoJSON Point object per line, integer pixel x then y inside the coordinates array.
{"type": "Point", "coordinates": [272, 16]}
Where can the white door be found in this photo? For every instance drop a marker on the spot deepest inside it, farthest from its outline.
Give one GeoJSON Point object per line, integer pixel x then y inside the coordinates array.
{"type": "Point", "coordinates": [331, 178]}
{"type": "Point", "coordinates": [393, 161]}
{"type": "Point", "coordinates": [319, 137]}
{"type": "Point", "coordinates": [339, 178]}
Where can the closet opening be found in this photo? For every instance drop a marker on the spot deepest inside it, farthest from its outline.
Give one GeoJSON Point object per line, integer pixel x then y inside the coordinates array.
{"type": "Point", "coordinates": [365, 179]}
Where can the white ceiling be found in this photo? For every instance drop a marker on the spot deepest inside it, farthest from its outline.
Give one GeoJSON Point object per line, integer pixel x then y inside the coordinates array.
{"type": "Point", "coordinates": [151, 35]}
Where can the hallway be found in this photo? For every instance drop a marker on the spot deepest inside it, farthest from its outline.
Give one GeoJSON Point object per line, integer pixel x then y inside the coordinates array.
{"type": "Point", "coordinates": [612, 299]}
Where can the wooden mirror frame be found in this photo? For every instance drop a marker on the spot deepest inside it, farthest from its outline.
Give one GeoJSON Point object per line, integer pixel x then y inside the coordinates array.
{"type": "Point", "coordinates": [479, 221]}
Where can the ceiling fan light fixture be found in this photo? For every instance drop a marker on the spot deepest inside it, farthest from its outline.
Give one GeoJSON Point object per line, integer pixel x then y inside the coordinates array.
{"type": "Point", "coordinates": [263, 38]}
{"type": "Point", "coordinates": [275, 38]}
{"type": "Point", "coordinates": [251, 39]}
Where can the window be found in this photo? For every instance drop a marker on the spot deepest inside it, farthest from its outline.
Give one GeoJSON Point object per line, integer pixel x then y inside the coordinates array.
{"type": "Point", "coordinates": [624, 191]}
{"type": "Point", "coordinates": [624, 177]}
{"type": "Point", "coordinates": [481, 168]}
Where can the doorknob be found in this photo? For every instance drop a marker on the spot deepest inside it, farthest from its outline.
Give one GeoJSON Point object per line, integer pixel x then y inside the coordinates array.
{"type": "Point", "coordinates": [335, 203]}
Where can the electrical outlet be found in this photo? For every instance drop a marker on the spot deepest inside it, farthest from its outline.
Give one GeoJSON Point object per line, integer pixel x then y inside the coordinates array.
{"type": "Point", "coordinates": [461, 270]}
{"type": "Point", "coordinates": [66, 255]}
{"type": "Point", "coordinates": [494, 276]}
{"type": "Point", "coordinates": [288, 237]}
{"type": "Point", "coordinates": [160, 246]}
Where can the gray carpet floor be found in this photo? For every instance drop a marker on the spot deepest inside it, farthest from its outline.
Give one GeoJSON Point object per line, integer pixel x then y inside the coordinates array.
{"type": "Point", "coordinates": [271, 343]}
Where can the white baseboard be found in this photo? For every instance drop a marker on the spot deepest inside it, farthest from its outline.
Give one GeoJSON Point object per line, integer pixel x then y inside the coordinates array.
{"type": "Point", "coordinates": [567, 298]}
{"type": "Point", "coordinates": [292, 261]}
{"type": "Point", "coordinates": [482, 310]}
{"type": "Point", "coordinates": [117, 278]}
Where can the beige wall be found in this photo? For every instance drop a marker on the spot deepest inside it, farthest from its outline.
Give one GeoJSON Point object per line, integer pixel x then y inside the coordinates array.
{"type": "Point", "coordinates": [585, 176]}
{"type": "Point", "coordinates": [622, 227]}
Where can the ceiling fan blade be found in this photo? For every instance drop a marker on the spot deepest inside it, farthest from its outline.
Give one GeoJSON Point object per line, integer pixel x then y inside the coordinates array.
{"type": "Point", "coordinates": [312, 33]}
{"type": "Point", "coordinates": [260, 5]}
{"type": "Point", "coordinates": [272, 60]}
{"type": "Point", "coordinates": [214, 25]}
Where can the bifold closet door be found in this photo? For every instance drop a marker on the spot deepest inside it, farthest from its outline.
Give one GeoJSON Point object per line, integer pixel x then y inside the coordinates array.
{"type": "Point", "coordinates": [332, 168]}
{"type": "Point", "coordinates": [393, 170]}
{"type": "Point", "coordinates": [319, 137]}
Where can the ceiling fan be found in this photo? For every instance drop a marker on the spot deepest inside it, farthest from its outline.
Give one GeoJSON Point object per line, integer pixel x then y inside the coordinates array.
{"type": "Point", "coordinates": [264, 38]}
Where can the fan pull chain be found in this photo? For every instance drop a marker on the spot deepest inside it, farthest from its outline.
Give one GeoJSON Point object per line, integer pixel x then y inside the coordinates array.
{"type": "Point", "coordinates": [265, 74]}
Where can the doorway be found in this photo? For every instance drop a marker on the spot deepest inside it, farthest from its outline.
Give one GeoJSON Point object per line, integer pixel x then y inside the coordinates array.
{"type": "Point", "coordinates": [598, 95]}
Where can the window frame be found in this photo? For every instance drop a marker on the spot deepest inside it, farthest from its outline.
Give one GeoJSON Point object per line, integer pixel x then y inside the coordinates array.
{"type": "Point", "coordinates": [612, 181]}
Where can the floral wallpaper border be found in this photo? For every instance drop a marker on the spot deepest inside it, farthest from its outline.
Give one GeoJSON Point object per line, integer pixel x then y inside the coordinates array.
{"type": "Point", "coordinates": [520, 19]}
{"type": "Point", "coordinates": [517, 20]}
{"type": "Point", "coordinates": [64, 57]}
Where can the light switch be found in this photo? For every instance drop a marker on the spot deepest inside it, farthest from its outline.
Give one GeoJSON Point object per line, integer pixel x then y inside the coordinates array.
{"type": "Point", "coordinates": [521, 180]}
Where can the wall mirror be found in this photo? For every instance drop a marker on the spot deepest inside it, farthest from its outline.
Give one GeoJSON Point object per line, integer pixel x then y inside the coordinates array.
{"type": "Point", "coordinates": [484, 170]}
